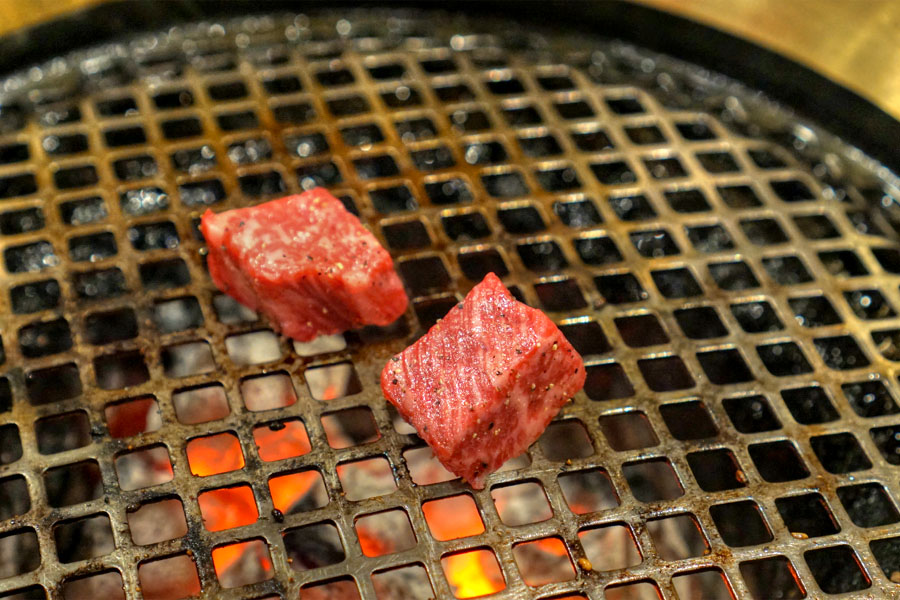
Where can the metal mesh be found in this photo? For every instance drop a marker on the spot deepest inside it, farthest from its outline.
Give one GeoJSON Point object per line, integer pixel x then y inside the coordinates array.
{"type": "Point", "coordinates": [718, 265]}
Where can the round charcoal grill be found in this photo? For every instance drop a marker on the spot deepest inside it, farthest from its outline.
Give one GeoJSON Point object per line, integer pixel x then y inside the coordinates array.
{"type": "Point", "coordinates": [729, 274]}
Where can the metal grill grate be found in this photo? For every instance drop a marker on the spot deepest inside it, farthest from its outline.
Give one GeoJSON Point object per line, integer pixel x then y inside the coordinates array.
{"type": "Point", "coordinates": [718, 265]}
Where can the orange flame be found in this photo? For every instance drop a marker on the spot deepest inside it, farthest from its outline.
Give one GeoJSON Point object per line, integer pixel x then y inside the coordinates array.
{"type": "Point", "coordinates": [473, 574]}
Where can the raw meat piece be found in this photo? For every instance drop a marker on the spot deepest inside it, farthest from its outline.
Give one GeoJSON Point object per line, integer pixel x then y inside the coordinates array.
{"type": "Point", "coordinates": [304, 262]}
{"type": "Point", "coordinates": [484, 382]}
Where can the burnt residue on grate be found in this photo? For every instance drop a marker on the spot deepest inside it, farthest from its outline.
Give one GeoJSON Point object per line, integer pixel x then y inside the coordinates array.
{"type": "Point", "coordinates": [730, 276]}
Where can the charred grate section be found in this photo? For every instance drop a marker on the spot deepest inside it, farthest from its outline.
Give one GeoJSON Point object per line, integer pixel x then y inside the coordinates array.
{"type": "Point", "coordinates": [733, 292]}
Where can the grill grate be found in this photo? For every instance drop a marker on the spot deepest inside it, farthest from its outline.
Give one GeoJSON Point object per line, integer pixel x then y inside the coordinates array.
{"type": "Point", "coordinates": [742, 435]}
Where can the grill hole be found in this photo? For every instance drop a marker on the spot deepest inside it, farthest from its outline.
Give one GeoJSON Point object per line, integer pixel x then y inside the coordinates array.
{"type": "Point", "coordinates": [740, 523]}
{"type": "Point", "coordinates": [792, 190]}
{"type": "Point", "coordinates": [432, 159]}
{"type": "Point", "coordinates": [542, 256]}
{"type": "Point", "coordinates": [411, 130]}
{"type": "Point", "coordinates": [92, 248]}
{"type": "Point", "coordinates": [888, 343]}
{"type": "Point", "coordinates": [709, 238]}
{"type": "Point", "coordinates": [120, 370]}
{"type": "Point", "coordinates": [841, 352]}
{"type": "Point", "coordinates": [641, 330]}
{"type": "Point", "coordinates": [144, 201]}
{"type": "Point", "coordinates": [490, 575]}
{"type": "Point", "coordinates": [610, 547]}
{"type": "Point", "coordinates": [372, 167]}
{"type": "Point", "coordinates": [476, 264]}
{"type": "Point", "coordinates": [230, 312]}
{"type": "Point", "coordinates": [287, 84]}
{"type": "Point", "coordinates": [157, 521]}
{"type": "Point", "coordinates": [173, 99]}
{"type": "Point", "coordinates": [739, 196]}
{"type": "Point", "coordinates": [235, 121]}
{"type": "Point", "coordinates": [586, 337]}
{"type": "Point", "coordinates": [456, 92]}
{"type": "Point", "coordinates": [591, 141]}
{"type": "Point", "coordinates": [200, 404]}
{"type": "Point", "coordinates": [30, 257]}
{"type": "Point", "coordinates": [809, 405]}
{"type": "Point", "coordinates": [565, 440]}
{"type": "Point", "coordinates": [676, 283]}
{"type": "Point", "coordinates": [588, 491]}
{"type": "Point", "coordinates": [840, 453]}
{"type": "Point", "coordinates": [764, 232]}
{"type": "Point", "coordinates": [869, 398]}
{"type": "Point", "coordinates": [267, 392]}
{"type": "Point", "coordinates": [887, 553]}
{"type": "Point", "coordinates": [522, 116]}
{"type": "Point", "coordinates": [756, 317]}
{"type": "Point", "coordinates": [620, 288]}
{"type": "Point", "coordinates": [194, 160]}
{"type": "Point", "coordinates": [406, 235]}
{"type": "Point", "coordinates": [863, 223]}
{"type": "Point", "coordinates": [229, 90]}
{"type": "Point", "coordinates": [284, 496]}
{"type": "Point", "coordinates": [645, 134]}
{"type": "Point", "coordinates": [521, 503]}
{"type": "Point", "coordinates": [190, 358]}
{"type": "Point", "coordinates": [540, 146]}
{"type": "Point", "coordinates": [11, 448]}
{"type": "Point", "coordinates": [543, 561]}
{"type": "Point", "coordinates": [393, 199]}
{"type": "Point", "coordinates": [362, 135]}
{"type": "Point", "coordinates": [384, 533]}
{"type": "Point", "coordinates": [366, 478]}
{"type": "Point", "coordinates": [733, 276]}
{"type": "Point", "coordinates": [725, 367]}
{"type": "Point", "coordinates": [632, 208]}
{"type": "Point", "coordinates": [773, 576]}
{"type": "Point", "coordinates": [678, 537]}
{"type": "Point", "coordinates": [387, 71]}
{"type": "Point", "coordinates": [429, 311]}
{"type": "Point", "coordinates": [401, 97]}
{"type": "Point", "coordinates": [45, 338]}
{"type": "Point", "coordinates": [843, 263]}
{"type": "Point", "coordinates": [14, 493]}
{"type": "Point", "coordinates": [783, 359]}
{"type": "Point", "coordinates": [560, 179]}
{"type": "Point", "coordinates": [687, 201]}
{"type": "Point", "coordinates": [250, 151]}
{"type": "Point", "coordinates": [449, 191]}
{"type": "Point", "coordinates": [61, 145]}
{"type": "Point", "coordinates": [628, 431]}
{"type": "Point", "coordinates": [808, 515]}
{"type": "Point", "coordinates": [652, 480]}
{"type": "Point", "coordinates": [887, 439]}
{"type": "Point", "coordinates": [483, 153]}
{"type": "Point", "coordinates": [351, 427]}
{"type": "Point", "coordinates": [613, 173]}
{"type": "Point", "coordinates": [765, 159]}
{"type": "Point", "coordinates": [778, 461]}
{"type": "Point", "coordinates": [333, 381]}
{"type": "Point", "coordinates": [654, 244]}
{"type": "Point", "coordinates": [306, 145]}
{"type": "Point", "coordinates": [226, 508]}
{"type": "Point", "coordinates": [665, 374]}
{"type": "Point", "coordinates": [178, 129]}
{"type": "Point", "coordinates": [308, 177]}
{"type": "Point", "coordinates": [814, 311]}
{"type": "Point", "coordinates": [889, 258]}
{"type": "Point", "coordinates": [132, 416]}
{"type": "Point", "coordinates": [751, 414]}
{"type": "Point", "coordinates": [135, 167]}
{"type": "Point", "coordinates": [607, 381]}
{"type": "Point", "coordinates": [717, 162]}
{"type": "Point", "coordinates": [53, 384]}
{"type": "Point", "coordinates": [716, 470]}
{"type": "Point", "coordinates": [83, 211]}
{"type": "Point", "coordinates": [59, 114]}
{"type": "Point", "coordinates": [347, 106]}
{"type": "Point", "coordinates": [95, 285]}
{"type": "Point", "coordinates": [816, 227]}
{"type": "Point", "coordinates": [294, 114]}
{"type": "Point", "coordinates": [280, 440]}
{"type": "Point", "coordinates": [313, 546]}
{"type": "Point", "coordinates": [158, 576]}
{"type": "Point", "coordinates": [578, 109]}
{"type": "Point", "coordinates": [560, 295]}
{"type": "Point", "coordinates": [73, 484]}
{"type": "Point", "coordinates": [665, 168]}
{"type": "Point", "coordinates": [438, 65]}
{"type": "Point", "coordinates": [868, 505]}
{"type": "Point", "coordinates": [83, 538]}
{"type": "Point", "coordinates": [225, 446]}
{"type": "Point", "coordinates": [154, 236]}
{"type": "Point", "coordinates": [688, 420]}
{"type": "Point", "coordinates": [253, 348]}
{"type": "Point", "coordinates": [170, 273]}
{"type": "Point", "coordinates": [700, 323]}
{"type": "Point", "coordinates": [24, 543]}
{"type": "Point", "coordinates": [597, 250]}
{"type": "Point", "coordinates": [869, 304]}
{"type": "Point", "coordinates": [837, 569]}
{"type": "Point", "coordinates": [127, 136]}
{"type": "Point", "coordinates": [21, 221]}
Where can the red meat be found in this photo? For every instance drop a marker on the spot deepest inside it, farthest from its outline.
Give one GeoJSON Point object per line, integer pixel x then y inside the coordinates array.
{"type": "Point", "coordinates": [304, 262]}
{"type": "Point", "coordinates": [484, 382]}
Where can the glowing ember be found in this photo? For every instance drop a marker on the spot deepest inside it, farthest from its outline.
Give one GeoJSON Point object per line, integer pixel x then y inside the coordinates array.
{"type": "Point", "coordinates": [453, 517]}
{"type": "Point", "coordinates": [473, 574]}
{"type": "Point", "coordinates": [242, 563]}
{"type": "Point", "coordinates": [289, 489]}
{"type": "Point", "coordinates": [280, 440]}
{"type": "Point", "coordinates": [215, 454]}
{"type": "Point", "coordinates": [227, 508]}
